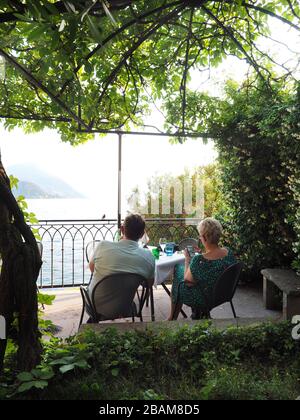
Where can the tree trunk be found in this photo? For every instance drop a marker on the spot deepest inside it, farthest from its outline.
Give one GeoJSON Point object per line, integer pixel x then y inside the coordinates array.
{"type": "Point", "coordinates": [5, 290]}
{"type": "Point", "coordinates": [21, 263]}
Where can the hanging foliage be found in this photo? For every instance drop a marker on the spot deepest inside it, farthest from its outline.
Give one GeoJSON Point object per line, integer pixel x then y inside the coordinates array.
{"type": "Point", "coordinates": [93, 65]}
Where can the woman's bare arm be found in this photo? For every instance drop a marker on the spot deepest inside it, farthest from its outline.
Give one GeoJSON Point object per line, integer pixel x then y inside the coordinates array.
{"type": "Point", "coordinates": [189, 279]}
{"type": "Point", "coordinates": [188, 276]}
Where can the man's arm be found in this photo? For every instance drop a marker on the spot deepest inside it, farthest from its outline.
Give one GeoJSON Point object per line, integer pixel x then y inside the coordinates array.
{"type": "Point", "coordinates": [92, 257]}
{"type": "Point", "coordinates": [92, 265]}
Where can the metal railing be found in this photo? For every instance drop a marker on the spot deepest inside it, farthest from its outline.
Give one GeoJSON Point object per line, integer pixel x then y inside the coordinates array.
{"type": "Point", "coordinates": [65, 242]}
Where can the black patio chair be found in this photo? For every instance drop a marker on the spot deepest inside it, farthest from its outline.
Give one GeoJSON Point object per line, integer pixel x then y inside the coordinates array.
{"type": "Point", "coordinates": [187, 242]}
{"type": "Point", "coordinates": [87, 306]}
{"type": "Point", "coordinates": [113, 298]}
{"type": "Point", "coordinates": [223, 292]}
{"type": "Point", "coordinates": [226, 286]}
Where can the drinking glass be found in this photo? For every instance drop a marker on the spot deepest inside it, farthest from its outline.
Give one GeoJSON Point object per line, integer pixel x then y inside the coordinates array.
{"type": "Point", "coordinates": [162, 243]}
{"type": "Point", "coordinates": [169, 249]}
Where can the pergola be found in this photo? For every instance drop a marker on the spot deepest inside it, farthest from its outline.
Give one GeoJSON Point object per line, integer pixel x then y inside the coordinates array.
{"type": "Point", "coordinates": [93, 67]}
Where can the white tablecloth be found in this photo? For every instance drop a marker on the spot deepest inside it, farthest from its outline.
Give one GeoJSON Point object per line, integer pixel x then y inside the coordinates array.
{"type": "Point", "coordinates": [165, 266]}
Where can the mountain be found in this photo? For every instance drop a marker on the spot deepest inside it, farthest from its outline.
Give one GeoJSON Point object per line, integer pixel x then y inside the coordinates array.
{"type": "Point", "coordinates": [36, 183]}
{"type": "Point", "coordinates": [31, 190]}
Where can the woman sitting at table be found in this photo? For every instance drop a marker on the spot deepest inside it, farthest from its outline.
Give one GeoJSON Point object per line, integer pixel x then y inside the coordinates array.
{"type": "Point", "coordinates": [194, 283]}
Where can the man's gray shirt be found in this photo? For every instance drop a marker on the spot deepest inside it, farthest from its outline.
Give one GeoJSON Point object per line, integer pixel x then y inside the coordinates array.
{"type": "Point", "coordinates": [121, 257]}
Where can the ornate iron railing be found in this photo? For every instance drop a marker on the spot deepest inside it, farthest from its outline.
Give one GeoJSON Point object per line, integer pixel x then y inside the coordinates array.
{"type": "Point", "coordinates": [65, 242]}
{"type": "Point", "coordinates": [174, 230]}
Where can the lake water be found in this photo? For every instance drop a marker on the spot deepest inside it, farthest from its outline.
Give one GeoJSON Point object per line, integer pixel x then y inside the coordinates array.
{"type": "Point", "coordinates": [64, 260]}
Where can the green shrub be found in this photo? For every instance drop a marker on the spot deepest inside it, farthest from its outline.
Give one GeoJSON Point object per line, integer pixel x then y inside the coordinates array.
{"type": "Point", "coordinates": [257, 133]}
{"type": "Point", "coordinates": [190, 363]}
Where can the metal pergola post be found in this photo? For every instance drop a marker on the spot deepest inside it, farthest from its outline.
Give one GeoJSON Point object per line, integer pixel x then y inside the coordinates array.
{"type": "Point", "coordinates": [120, 135]}
{"type": "Point", "coordinates": [119, 180]}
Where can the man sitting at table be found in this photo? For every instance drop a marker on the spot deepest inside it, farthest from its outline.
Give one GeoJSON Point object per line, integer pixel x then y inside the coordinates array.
{"type": "Point", "coordinates": [124, 256]}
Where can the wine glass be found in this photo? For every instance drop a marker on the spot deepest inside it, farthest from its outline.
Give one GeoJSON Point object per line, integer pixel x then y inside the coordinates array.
{"type": "Point", "coordinates": [163, 243]}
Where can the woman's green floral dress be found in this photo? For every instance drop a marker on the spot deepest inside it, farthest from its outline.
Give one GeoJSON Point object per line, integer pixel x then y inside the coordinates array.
{"type": "Point", "coordinates": [205, 273]}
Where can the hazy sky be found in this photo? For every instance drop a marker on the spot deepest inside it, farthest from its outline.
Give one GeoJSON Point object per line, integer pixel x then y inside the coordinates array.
{"type": "Point", "coordinates": [94, 165]}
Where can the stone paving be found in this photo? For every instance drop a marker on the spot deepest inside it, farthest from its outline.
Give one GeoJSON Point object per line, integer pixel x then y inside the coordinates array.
{"type": "Point", "coordinates": [66, 310]}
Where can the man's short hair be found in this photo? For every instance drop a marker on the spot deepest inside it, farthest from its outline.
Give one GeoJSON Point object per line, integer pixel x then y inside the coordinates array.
{"type": "Point", "coordinates": [134, 227]}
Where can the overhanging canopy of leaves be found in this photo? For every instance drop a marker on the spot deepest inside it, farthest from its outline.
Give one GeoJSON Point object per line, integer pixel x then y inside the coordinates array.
{"type": "Point", "coordinates": [92, 65]}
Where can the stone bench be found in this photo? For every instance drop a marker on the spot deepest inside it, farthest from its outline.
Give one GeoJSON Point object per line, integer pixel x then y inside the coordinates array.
{"type": "Point", "coordinates": [287, 282]}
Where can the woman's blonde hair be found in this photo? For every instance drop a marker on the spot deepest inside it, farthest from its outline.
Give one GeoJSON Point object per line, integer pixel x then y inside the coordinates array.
{"type": "Point", "coordinates": [211, 229]}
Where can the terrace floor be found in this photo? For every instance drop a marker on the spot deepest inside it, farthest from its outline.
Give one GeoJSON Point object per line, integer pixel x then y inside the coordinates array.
{"type": "Point", "coordinates": [66, 309]}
